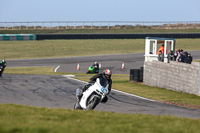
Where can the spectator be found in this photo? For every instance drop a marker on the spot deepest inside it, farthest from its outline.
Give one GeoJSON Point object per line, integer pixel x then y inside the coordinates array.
{"type": "Point", "coordinates": [160, 56]}
{"type": "Point", "coordinates": [170, 56]}
{"type": "Point", "coordinates": [186, 54]}
{"type": "Point", "coordinates": [161, 49]}
{"type": "Point", "coordinates": [189, 59]}
{"type": "Point", "coordinates": [178, 55]}
{"type": "Point", "coordinates": [175, 55]}
{"type": "Point", "coordinates": [181, 51]}
{"type": "Point", "coordinates": [182, 58]}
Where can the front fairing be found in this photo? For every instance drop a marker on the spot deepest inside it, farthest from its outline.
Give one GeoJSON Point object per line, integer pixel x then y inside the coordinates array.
{"type": "Point", "coordinates": [91, 68]}
{"type": "Point", "coordinates": [102, 84]}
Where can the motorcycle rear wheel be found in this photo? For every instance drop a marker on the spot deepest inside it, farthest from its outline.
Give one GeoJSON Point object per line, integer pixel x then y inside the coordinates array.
{"type": "Point", "coordinates": [77, 106]}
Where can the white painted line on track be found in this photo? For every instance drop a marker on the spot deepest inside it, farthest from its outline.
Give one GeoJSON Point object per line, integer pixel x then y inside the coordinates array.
{"type": "Point", "coordinates": [114, 90]}
{"type": "Point", "coordinates": [76, 80]}
{"type": "Point", "coordinates": [133, 95]}
{"type": "Point", "coordinates": [68, 76]}
{"type": "Point", "coordinates": [55, 70]}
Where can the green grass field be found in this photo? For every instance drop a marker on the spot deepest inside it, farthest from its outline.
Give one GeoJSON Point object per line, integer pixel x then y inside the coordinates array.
{"type": "Point", "coordinates": [27, 119]}
{"type": "Point", "coordinates": [66, 48]}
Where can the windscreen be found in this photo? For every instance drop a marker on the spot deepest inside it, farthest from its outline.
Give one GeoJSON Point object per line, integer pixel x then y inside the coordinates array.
{"type": "Point", "coordinates": [103, 82]}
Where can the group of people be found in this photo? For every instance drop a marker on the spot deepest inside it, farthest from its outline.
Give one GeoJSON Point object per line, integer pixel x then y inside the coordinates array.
{"type": "Point", "coordinates": [179, 56]}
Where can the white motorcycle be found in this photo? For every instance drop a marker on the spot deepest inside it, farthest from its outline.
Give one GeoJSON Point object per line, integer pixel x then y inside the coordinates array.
{"type": "Point", "coordinates": [93, 95]}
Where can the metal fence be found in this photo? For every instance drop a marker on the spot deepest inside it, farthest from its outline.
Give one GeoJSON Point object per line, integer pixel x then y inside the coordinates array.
{"type": "Point", "coordinates": [98, 25]}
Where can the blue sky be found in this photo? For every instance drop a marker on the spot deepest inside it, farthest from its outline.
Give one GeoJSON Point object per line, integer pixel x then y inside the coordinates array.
{"type": "Point", "coordinates": [99, 10]}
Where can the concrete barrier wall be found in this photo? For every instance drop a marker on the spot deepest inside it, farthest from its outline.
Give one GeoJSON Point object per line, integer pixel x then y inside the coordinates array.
{"type": "Point", "coordinates": [175, 76]}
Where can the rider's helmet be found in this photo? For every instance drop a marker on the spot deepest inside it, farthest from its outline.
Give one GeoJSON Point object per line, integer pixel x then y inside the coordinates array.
{"type": "Point", "coordinates": [107, 73]}
{"type": "Point", "coordinates": [3, 61]}
{"type": "Point", "coordinates": [95, 62]}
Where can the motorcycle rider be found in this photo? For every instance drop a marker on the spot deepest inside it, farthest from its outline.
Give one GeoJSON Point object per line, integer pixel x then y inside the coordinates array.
{"type": "Point", "coordinates": [96, 67]}
{"type": "Point", "coordinates": [3, 64]}
{"type": "Point", "coordinates": [107, 75]}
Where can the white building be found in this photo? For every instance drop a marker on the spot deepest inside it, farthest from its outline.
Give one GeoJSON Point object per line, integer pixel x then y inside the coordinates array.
{"type": "Point", "coordinates": [152, 45]}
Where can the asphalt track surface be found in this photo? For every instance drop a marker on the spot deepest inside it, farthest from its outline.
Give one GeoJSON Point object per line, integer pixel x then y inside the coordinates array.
{"type": "Point", "coordinates": [59, 92]}
{"type": "Point", "coordinates": [69, 64]}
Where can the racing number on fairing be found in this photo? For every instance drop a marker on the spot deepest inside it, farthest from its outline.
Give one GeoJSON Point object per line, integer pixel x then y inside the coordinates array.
{"type": "Point", "coordinates": [103, 89]}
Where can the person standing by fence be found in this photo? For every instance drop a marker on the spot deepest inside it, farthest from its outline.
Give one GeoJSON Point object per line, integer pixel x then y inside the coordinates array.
{"type": "Point", "coordinates": [160, 56]}
{"type": "Point", "coordinates": [189, 59]}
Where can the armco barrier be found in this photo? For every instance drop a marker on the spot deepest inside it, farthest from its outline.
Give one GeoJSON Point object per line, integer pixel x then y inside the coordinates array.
{"type": "Point", "coordinates": [116, 36]}
{"type": "Point", "coordinates": [13, 37]}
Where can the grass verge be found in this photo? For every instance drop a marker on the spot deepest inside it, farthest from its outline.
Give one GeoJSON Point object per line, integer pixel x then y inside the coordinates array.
{"type": "Point", "coordinates": [66, 48]}
{"type": "Point", "coordinates": [27, 119]}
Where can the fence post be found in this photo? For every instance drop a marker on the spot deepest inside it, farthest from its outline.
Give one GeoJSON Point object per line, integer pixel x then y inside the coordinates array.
{"type": "Point", "coordinates": [83, 26]}
{"type": "Point", "coordinates": [100, 25]}
{"type": "Point", "coordinates": [20, 26]}
{"type": "Point", "coordinates": [42, 25]}
{"type": "Point", "coordinates": [185, 24]}
{"type": "Point", "coordinates": [108, 24]}
{"type": "Point", "coordinates": [91, 25]}
{"type": "Point", "coordinates": [194, 25]}
{"type": "Point", "coordinates": [34, 25]}
{"type": "Point", "coordinates": [13, 25]}
{"type": "Point", "coordinates": [58, 26]}
{"type": "Point", "coordinates": [168, 25]}
{"type": "Point", "coordinates": [116, 25]}
{"type": "Point", "coordinates": [5, 25]}
{"type": "Point", "coordinates": [142, 24]}
{"type": "Point", "coordinates": [66, 25]}
{"type": "Point", "coordinates": [159, 25]}
{"type": "Point", "coordinates": [74, 24]}
{"type": "Point", "coordinates": [27, 25]}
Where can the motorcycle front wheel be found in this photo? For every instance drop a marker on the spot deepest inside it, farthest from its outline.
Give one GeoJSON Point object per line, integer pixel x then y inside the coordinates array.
{"type": "Point", "coordinates": [93, 103]}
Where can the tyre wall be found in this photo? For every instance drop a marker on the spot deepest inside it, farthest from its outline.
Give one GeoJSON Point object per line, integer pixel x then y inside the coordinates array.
{"type": "Point", "coordinates": [115, 36]}
{"type": "Point", "coordinates": [14, 37]}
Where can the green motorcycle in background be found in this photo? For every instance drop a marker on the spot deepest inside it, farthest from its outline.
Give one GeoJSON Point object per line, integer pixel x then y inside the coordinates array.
{"type": "Point", "coordinates": [92, 69]}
